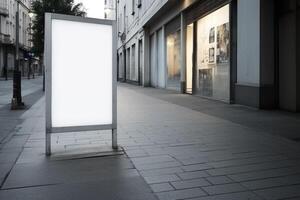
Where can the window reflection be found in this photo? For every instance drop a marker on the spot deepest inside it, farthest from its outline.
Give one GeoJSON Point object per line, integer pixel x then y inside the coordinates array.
{"type": "Point", "coordinates": [173, 60]}
{"type": "Point", "coordinates": [213, 55]}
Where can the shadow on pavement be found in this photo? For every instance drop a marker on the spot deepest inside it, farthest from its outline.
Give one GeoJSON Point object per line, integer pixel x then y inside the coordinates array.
{"type": "Point", "coordinates": [10, 119]}
{"type": "Point", "coordinates": [275, 122]}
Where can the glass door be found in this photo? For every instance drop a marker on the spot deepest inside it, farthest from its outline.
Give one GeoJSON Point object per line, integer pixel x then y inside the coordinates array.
{"type": "Point", "coordinates": [128, 64]}
{"type": "Point", "coordinates": [189, 58]}
{"type": "Point", "coordinates": [173, 61]}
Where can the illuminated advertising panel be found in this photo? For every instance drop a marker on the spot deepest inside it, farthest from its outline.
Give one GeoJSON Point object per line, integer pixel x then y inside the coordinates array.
{"type": "Point", "coordinates": [80, 68]}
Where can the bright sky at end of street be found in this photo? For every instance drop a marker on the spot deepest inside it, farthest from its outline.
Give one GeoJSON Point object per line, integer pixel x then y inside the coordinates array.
{"type": "Point", "coordinates": [94, 8]}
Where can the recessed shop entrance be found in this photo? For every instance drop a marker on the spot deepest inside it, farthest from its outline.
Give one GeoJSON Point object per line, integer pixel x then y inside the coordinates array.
{"type": "Point", "coordinates": [192, 52]}
{"type": "Point", "coordinates": [189, 58]}
{"type": "Point", "coordinates": [208, 55]}
{"type": "Point", "coordinates": [288, 56]}
{"type": "Point", "coordinates": [173, 61]}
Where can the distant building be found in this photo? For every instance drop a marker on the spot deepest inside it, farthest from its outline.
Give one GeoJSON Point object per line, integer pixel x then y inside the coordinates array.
{"type": "Point", "coordinates": [8, 36]}
{"type": "Point", "coordinates": [109, 9]}
{"type": "Point", "coordinates": [236, 51]}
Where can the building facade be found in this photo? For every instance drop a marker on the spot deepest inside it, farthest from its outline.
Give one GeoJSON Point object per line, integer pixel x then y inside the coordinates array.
{"type": "Point", "coordinates": [236, 51]}
{"type": "Point", "coordinates": [8, 10]}
{"type": "Point", "coordinates": [109, 9]}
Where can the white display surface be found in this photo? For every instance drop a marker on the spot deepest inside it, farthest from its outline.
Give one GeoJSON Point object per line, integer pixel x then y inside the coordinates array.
{"type": "Point", "coordinates": [81, 74]}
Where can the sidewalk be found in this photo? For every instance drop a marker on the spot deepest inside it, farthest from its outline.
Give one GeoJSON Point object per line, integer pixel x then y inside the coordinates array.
{"type": "Point", "coordinates": [31, 92]}
{"type": "Point", "coordinates": [28, 87]}
{"type": "Point", "coordinates": [35, 176]}
{"type": "Point", "coordinates": [184, 154]}
{"type": "Point", "coordinates": [181, 151]}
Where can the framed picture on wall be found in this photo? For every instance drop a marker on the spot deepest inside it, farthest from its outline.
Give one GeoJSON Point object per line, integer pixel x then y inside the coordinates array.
{"type": "Point", "coordinates": [211, 55]}
{"type": "Point", "coordinates": [223, 45]}
{"type": "Point", "coordinates": [212, 35]}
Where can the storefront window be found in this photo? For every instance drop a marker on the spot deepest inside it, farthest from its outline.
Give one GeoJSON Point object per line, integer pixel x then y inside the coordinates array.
{"type": "Point", "coordinates": [173, 61]}
{"type": "Point", "coordinates": [128, 64]}
{"type": "Point", "coordinates": [161, 76]}
{"type": "Point", "coordinates": [189, 58]}
{"type": "Point", "coordinates": [133, 67]}
{"type": "Point", "coordinates": [121, 66]}
{"type": "Point", "coordinates": [213, 55]}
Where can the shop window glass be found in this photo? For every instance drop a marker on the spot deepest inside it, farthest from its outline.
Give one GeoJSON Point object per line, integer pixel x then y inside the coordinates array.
{"type": "Point", "coordinates": [133, 67]}
{"type": "Point", "coordinates": [121, 66]}
{"type": "Point", "coordinates": [213, 55]}
{"type": "Point", "coordinates": [128, 64]}
{"type": "Point", "coordinates": [173, 61]}
{"type": "Point", "coordinates": [189, 58]}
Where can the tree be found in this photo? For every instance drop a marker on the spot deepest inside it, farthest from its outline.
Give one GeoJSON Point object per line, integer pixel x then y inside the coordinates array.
{"type": "Point", "coordinates": [39, 8]}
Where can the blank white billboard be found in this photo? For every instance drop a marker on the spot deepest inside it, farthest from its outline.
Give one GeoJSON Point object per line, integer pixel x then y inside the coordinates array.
{"type": "Point", "coordinates": [81, 74]}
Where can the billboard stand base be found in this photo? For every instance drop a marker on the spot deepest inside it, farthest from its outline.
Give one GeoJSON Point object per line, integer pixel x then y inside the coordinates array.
{"type": "Point", "coordinates": [114, 139]}
{"type": "Point", "coordinates": [48, 144]}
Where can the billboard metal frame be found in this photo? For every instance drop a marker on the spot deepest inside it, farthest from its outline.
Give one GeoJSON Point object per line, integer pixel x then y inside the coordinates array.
{"type": "Point", "coordinates": [48, 70]}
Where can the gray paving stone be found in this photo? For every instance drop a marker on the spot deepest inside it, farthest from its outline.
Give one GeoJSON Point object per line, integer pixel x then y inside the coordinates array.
{"type": "Point", "coordinates": [69, 171]}
{"type": "Point", "coordinates": [155, 172]}
{"type": "Point", "coordinates": [193, 175]}
{"type": "Point", "coordinates": [217, 180]}
{"type": "Point", "coordinates": [265, 174]}
{"type": "Point", "coordinates": [223, 189]}
{"type": "Point", "coordinates": [286, 192]}
{"type": "Point", "coordinates": [136, 153]}
{"type": "Point", "coordinates": [8, 157]}
{"type": "Point", "coordinates": [157, 165]}
{"type": "Point", "coordinates": [161, 178]}
{"type": "Point", "coordinates": [238, 162]}
{"type": "Point", "coordinates": [193, 161]}
{"type": "Point", "coordinates": [231, 196]}
{"type": "Point", "coordinates": [198, 167]}
{"type": "Point", "coordinates": [132, 188]}
{"type": "Point", "coordinates": [4, 169]}
{"type": "Point", "coordinates": [152, 159]}
{"type": "Point", "coordinates": [181, 194]}
{"type": "Point", "coordinates": [190, 183]}
{"type": "Point", "coordinates": [16, 141]}
{"type": "Point", "coordinates": [161, 187]}
{"type": "Point", "coordinates": [252, 167]}
{"type": "Point", "coordinates": [272, 182]}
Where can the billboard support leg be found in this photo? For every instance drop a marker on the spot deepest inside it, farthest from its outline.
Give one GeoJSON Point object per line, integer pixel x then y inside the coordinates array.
{"type": "Point", "coordinates": [114, 139]}
{"type": "Point", "coordinates": [48, 144]}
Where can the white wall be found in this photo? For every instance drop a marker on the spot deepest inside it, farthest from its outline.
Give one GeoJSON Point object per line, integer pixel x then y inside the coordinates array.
{"type": "Point", "coordinates": [248, 42]}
